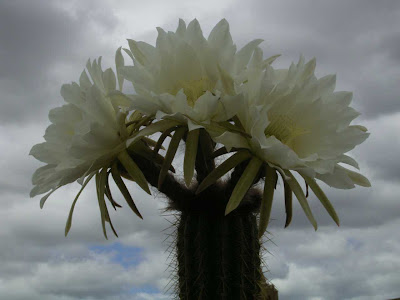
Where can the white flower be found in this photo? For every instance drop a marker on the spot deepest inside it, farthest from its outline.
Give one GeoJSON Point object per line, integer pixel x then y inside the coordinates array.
{"type": "Point", "coordinates": [293, 121]}
{"type": "Point", "coordinates": [86, 134]}
{"type": "Point", "coordinates": [297, 122]}
{"type": "Point", "coordinates": [187, 77]}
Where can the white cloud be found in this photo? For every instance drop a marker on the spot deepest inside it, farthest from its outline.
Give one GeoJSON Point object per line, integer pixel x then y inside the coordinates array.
{"type": "Point", "coordinates": [336, 263]}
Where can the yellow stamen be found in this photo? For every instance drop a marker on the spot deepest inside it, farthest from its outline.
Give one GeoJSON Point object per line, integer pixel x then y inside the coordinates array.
{"type": "Point", "coordinates": [284, 128]}
{"type": "Point", "coordinates": [193, 89]}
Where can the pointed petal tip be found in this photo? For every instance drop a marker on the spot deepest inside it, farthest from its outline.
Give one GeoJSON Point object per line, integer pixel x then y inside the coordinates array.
{"type": "Point", "coordinates": [160, 30]}
{"type": "Point", "coordinates": [228, 210]}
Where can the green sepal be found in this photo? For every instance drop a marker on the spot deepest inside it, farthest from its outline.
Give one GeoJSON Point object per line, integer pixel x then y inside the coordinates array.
{"type": "Point", "coordinates": [234, 128]}
{"type": "Point", "coordinates": [162, 138]}
{"type": "Point", "coordinates": [141, 149]}
{"type": "Point", "coordinates": [142, 122]}
{"type": "Point", "coordinates": [133, 119]}
{"type": "Point", "coordinates": [237, 123]}
{"type": "Point", "coordinates": [151, 129]}
{"type": "Point", "coordinates": [109, 195]}
{"type": "Point", "coordinates": [219, 152]}
{"type": "Point", "coordinates": [100, 187]}
{"type": "Point", "coordinates": [133, 170]}
{"type": "Point", "coordinates": [189, 162]}
{"type": "Point", "coordinates": [295, 187]}
{"type": "Point", "coordinates": [288, 203]}
{"type": "Point", "coordinates": [268, 196]}
{"type": "Point", "coordinates": [108, 219]}
{"type": "Point", "coordinates": [323, 198]}
{"type": "Point", "coordinates": [222, 169]}
{"type": "Point", "coordinates": [71, 211]}
{"type": "Point", "coordinates": [45, 197]}
{"type": "Point", "coordinates": [169, 156]}
{"type": "Point", "coordinates": [243, 185]}
{"type": "Point", "coordinates": [124, 190]}
{"type": "Point", "coordinates": [151, 142]}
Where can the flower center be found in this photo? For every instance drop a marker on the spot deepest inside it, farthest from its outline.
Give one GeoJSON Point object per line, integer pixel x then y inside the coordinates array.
{"type": "Point", "coordinates": [284, 128]}
{"type": "Point", "coordinates": [193, 89]}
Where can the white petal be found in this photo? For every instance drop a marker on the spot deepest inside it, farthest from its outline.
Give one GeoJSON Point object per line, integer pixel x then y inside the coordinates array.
{"type": "Point", "coordinates": [220, 36]}
{"type": "Point", "coordinates": [242, 57]}
{"type": "Point", "coordinates": [357, 178]}
{"type": "Point", "coordinates": [228, 106]}
{"type": "Point", "coordinates": [181, 28]}
{"type": "Point", "coordinates": [46, 152]}
{"type": "Point", "coordinates": [100, 108]}
{"type": "Point", "coordinates": [59, 134]}
{"type": "Point", "coordinates": [96, 73]}
{"type": "Point", "coordinates": [42, 174]}
{"type": "Point", "coordinates": [348, 160]}
{"type": "Point", "coordinates": [84, 80]}
{"type": "Point", "coordinates": [69, 114]}
{"type": "Point", "coordinates": [338, 179]}
{"type": "Point", "coordinates": [194, 35]}
{"type": "Point", "coordinates": [272, 150]}
{"type": "Point", "coordinates": [72, 93]}
{"type": "Point", "coordinates": [137, 52]}
{"type": "Point", "coordinates": [109, 80]}
{"type": "Point", "coordinates": [205, 107]}
{"type": "Point", "coordinates": [322, 166]}
{"type": "Point", "coordinates": [137, 75]}
{"type": "Point", "coordinates": [188, 66]}
{"type": "Point", "coordinates": [193, 126]}
{"type": "Point", "coordinates": [232, 140]}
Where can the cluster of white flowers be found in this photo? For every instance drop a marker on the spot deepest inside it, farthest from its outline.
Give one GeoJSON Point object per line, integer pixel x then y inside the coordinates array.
{"type": "Point", "coordinates": [280, 120]}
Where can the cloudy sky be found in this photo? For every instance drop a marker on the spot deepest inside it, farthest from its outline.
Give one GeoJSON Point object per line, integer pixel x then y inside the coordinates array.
{"type": "Point", "coordinates": [44, 44]}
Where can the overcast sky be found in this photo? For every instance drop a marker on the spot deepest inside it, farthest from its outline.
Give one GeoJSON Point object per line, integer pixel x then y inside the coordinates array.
{"type": "Point", "coordinates": [44, 44]}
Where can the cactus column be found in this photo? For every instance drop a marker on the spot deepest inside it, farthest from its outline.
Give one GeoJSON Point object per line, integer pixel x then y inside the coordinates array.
{"type": "Point", "coordinates": [218, 256]}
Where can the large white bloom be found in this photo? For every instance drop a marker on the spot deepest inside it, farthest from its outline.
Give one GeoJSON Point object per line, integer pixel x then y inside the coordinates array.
{"type": "Point", "coordinates": [86, 134]}
{"type": "Point", "coordinates": [187, 77]}
{"type": "Point", "coordinates": [297, 122]}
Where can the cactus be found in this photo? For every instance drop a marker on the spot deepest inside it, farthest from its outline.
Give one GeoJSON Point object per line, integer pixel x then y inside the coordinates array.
{"type": "Point", "coordinates": [218, 256]}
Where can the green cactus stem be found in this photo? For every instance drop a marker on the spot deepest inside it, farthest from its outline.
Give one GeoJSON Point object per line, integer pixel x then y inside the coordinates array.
{"type": "Point", "coordinates": [218, 256]}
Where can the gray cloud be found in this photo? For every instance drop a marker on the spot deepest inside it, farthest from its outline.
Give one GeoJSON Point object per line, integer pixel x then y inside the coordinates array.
{"type": "Point", "coordinates": [336, 263]}
{"type": "Point", "coordinates": [41, 45]}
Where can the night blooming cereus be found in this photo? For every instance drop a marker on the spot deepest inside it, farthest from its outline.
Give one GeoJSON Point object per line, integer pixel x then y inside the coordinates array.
{"type": "Point", "coordinates": [292, 121]}
{"type": "Point", "coordinates": [188, 82]}
{"type": "Point", "coordinates": [202, 90]}
{"type": "Point", "coordinates": [87, 138]}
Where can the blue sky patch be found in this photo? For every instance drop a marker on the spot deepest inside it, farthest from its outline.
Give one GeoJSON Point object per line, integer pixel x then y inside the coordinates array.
{"type": "Point", "coordinates": [126, 256]}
